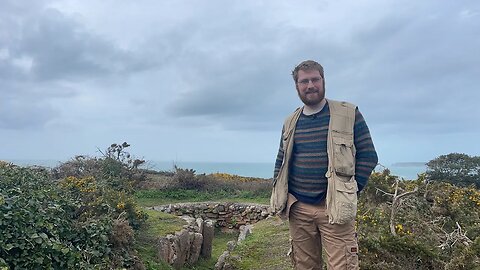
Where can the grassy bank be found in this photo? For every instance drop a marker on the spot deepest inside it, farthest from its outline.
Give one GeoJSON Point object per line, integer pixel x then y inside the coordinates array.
{"type": "Point", "coordinates": [265, 249]}
{"type": "Point", "coordinates": [149, 198]}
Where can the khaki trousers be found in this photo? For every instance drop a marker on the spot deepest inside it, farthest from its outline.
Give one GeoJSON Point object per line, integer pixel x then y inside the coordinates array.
{"type": "Point", "coordinates": [310, 231]}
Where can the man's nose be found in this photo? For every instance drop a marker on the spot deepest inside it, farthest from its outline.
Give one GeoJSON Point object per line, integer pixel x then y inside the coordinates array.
{"type": "Point", "coordinates": [310, 84]}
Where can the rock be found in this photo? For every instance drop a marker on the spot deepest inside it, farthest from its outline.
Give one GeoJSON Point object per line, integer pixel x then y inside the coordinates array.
{"type": "Point", "coordinates": [181, 246]}
{"type": "Point", "coordinates": [245, 230]}
{"type": "Point", "coordinates": [212, 215]}
{"type": "Point", "coordinates": [221, 260]}
{"type": "Point", "coordinates": [231, 245]}
{"type": "Point", "coordinates": [190, 220]}
{"type": "Point", "coordinates": [208, 231]}
{"type": "Point", "coordinates": [164, 250]}
{"type": "Point", "coordinates": [195, 248]}
{"type": "Point", "coordinates": [199, 225]}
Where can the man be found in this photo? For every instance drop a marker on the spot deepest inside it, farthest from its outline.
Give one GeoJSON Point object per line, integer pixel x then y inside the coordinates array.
{"type": "Point", "coordinates": [325, 157]}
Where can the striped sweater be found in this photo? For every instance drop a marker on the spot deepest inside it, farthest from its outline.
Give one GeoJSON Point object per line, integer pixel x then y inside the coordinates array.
{"type": "Point", "coordinates": [309, 161]}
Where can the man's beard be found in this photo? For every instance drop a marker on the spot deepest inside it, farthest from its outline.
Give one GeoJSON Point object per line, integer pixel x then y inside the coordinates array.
{"type": "Point", "coordinates": [308, 99]}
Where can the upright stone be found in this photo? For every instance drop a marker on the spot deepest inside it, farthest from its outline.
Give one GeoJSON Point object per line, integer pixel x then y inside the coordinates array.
{"type": "Point", "coordinates": [195, 248]}
{"type": "Point", "coordinates": [181, 246]}
{"type": "Point", "coordinates": [208, 231]}
{"type": "Point", "coordinates": [164, 250]}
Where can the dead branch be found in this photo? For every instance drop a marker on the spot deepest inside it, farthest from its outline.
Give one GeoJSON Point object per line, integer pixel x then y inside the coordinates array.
{"type": "Point", "coordinates": [455, 236]}
{"type": "Point", "coordinates": [396, 200]}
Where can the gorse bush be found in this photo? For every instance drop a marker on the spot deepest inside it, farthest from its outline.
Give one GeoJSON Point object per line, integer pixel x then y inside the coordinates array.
{"type": "Point", "coordinates": [434, 226]}
{"type": "Point", "coordinates": [80, 215]}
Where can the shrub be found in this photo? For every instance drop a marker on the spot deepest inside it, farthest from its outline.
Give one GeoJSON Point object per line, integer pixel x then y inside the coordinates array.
{"type": "Point", "coordinates": [79, 216]}
{"type": "Point", "coordinates": [36, 222]}
{"type": "Point", "coordinates": [455, 168]}
{"type": "Point", "coordinates": [186, 179]}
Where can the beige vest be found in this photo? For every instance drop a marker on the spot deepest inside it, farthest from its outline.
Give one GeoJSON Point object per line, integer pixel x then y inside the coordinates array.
{"type": "Point", "coordinates": [342, 189]}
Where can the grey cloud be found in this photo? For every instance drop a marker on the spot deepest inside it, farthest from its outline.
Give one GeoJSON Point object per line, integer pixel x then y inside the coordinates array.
{"type": "Point", "coordinates": [403, 67]}
{"type": "Point", "coordinates": [61, 48]}
{"type": "Point", "coordinates": [417, 72]}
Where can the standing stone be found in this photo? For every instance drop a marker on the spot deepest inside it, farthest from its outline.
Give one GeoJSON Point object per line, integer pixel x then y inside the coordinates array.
{"type": "Point", "coordinates": [181, 246]}
{"type": "Point", "coordinates": [208, 231]}
{"type": "Point", "coordinates": [164, 251]}
{"type": "Point", "coordinates": [195, 248]}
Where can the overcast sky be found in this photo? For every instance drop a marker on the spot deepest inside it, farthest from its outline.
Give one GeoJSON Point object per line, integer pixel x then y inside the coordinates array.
{"type": "Point", "coordinates": [210, 80]}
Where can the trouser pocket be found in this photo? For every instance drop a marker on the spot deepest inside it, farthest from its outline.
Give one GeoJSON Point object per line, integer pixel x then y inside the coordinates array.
{"type": "Point", "coordinates": [351, 255]}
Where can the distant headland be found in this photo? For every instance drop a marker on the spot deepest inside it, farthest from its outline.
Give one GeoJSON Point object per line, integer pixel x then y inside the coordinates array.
{"type": "Point", "coordinates": [409, 164]}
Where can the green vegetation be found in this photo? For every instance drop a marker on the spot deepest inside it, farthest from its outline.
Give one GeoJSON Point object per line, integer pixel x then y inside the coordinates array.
{"type": "Point", "coordinates": [162, 223]}
{"type": "Point", "coordinates": [431, 225]}
{"type": "Point", "coordinates": [85, 214]}
{"type": "Point", "coordinates": [158, 197]}
{"type": "Point", "coordinates": [185, 186]}
{"type": "Point", "coordinates": [455, 168]}
{"type": "Point", "coordinates": [81, 215]}
{"type": "Point", "coordinates": [266, 248]}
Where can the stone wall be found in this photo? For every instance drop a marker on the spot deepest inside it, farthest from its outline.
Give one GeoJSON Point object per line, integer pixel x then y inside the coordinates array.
{"type": "Point", "coordinates": [226, 214]}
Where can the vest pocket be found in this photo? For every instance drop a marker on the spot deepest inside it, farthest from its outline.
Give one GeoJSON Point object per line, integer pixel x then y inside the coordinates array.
{"type": "Point", "coordinates": [344, 161]}
{"type": "Point", "coordinates": [345, 199]}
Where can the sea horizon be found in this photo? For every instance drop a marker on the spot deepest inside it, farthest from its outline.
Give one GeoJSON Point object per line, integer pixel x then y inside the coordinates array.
{"type": "Point", "coordinates": [247, 169]}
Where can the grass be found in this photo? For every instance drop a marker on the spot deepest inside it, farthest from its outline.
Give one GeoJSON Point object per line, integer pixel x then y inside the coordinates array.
{"type": "Point", "coordinates": [149, 198]}
{"type": "Point", "coordinates": [266, 248]}
{"type": "Point", "coordinates": [161, 224]}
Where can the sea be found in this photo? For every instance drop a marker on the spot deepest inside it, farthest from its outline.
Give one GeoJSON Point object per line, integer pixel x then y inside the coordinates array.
{"type": "Point", "coordinates": [405, 170]}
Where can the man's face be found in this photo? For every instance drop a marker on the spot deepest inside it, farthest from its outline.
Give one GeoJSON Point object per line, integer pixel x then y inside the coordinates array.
{"type": "Point", "coordinates": [310, 87]}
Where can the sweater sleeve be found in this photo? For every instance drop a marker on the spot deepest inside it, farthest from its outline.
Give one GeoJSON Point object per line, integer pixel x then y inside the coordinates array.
{"type": "Point", "coordinates": [279, 160]}
{"type": "Point", "coordinates": [366, 156]}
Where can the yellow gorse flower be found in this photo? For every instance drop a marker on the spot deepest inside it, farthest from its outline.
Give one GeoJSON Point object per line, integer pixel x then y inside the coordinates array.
{"type": "Point", "coordinates": [121, 205]}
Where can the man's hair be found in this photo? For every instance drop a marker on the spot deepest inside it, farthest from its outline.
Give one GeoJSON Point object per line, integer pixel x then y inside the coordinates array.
{"type": "Point", "coordinates": [307, 66]}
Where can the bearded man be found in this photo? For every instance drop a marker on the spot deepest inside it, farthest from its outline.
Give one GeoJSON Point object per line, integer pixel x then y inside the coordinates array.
{"type": "Point", "coordinates": [325, 158]}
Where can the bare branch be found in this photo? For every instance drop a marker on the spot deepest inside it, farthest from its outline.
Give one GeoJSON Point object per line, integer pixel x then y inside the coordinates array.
{"type": "Point", "coordinates": [455, 236]}
{"type": "Point", "coordinates": [406, 193]}
{"type": "Point", "coordinates": [396, 203]}
{"type": "Point", "coordinates": [386, 193]}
